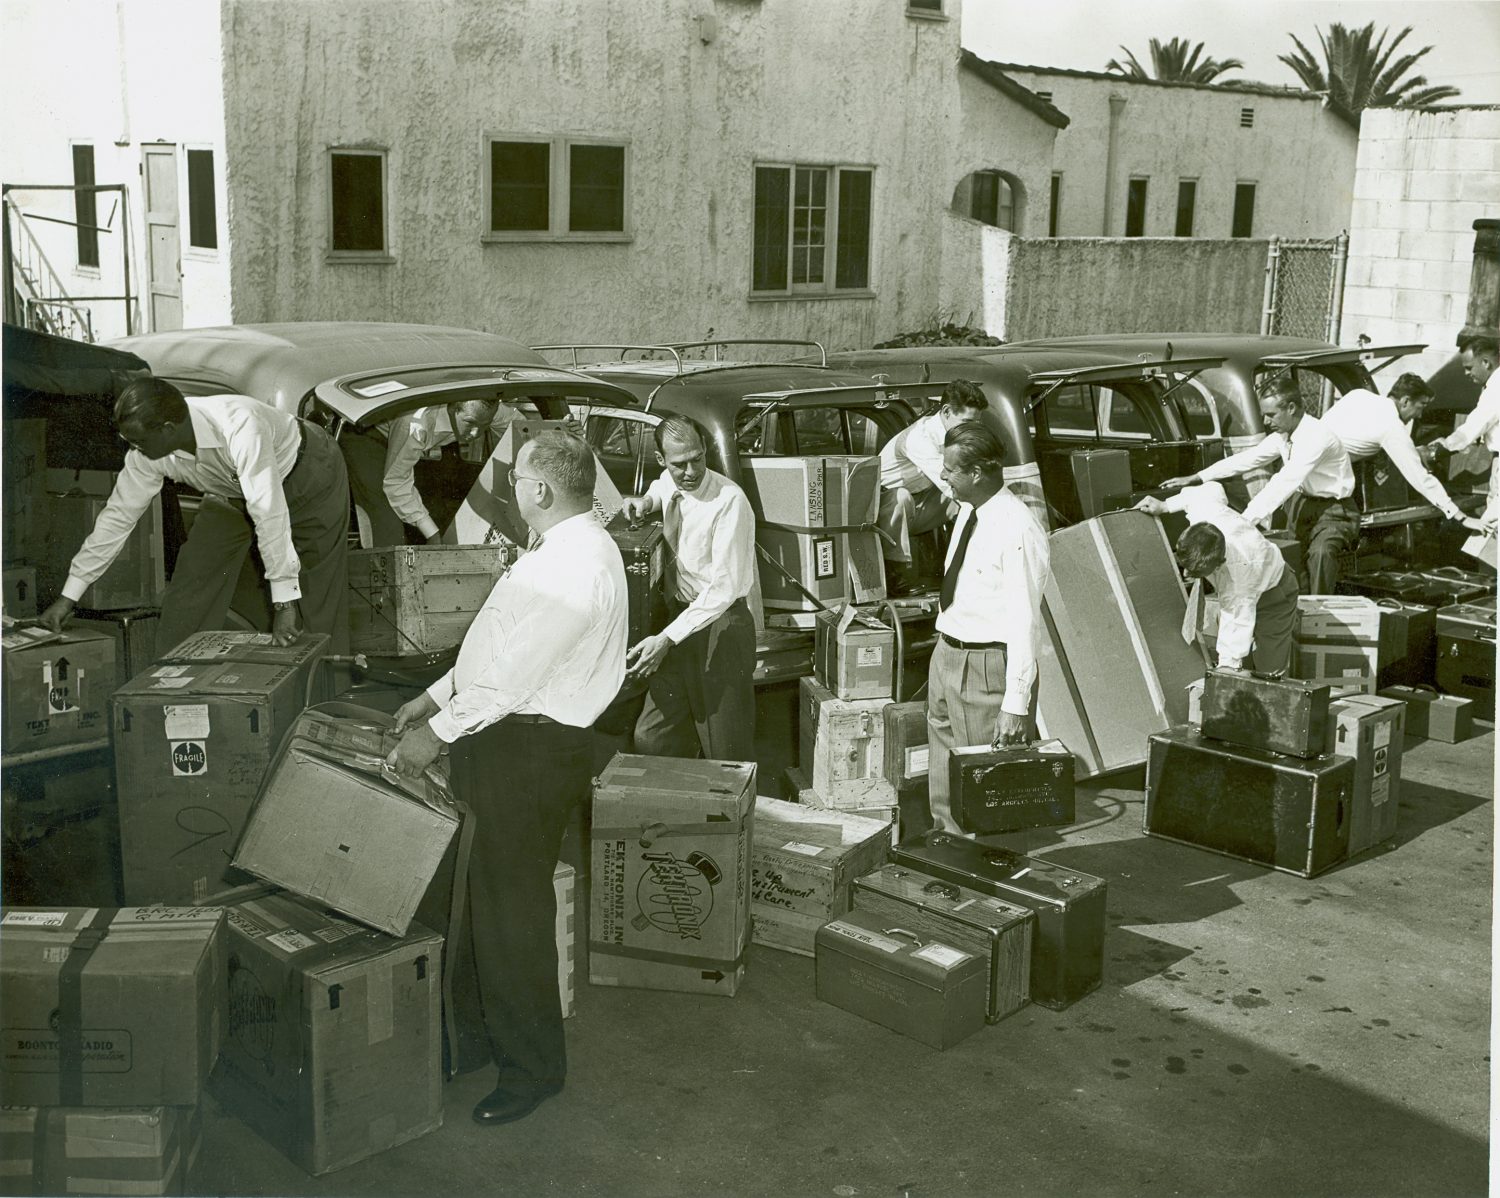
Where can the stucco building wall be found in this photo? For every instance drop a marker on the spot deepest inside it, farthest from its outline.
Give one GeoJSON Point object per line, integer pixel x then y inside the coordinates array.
{"type": "Point", "coordinates": [1422, 178]}
{"type": "Point", "coordinates": [1168, 133]}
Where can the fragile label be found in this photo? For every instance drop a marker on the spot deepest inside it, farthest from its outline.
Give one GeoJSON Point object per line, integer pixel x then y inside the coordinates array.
{"type": "Point", "coordinates": [941, 955]}
{"type": "Point", "coordinates": [189, 758]}
{"type": "Point", "coordinates": [884, 943]}
{"type": "Point", "coordinates": [186, 721]}
{"type": "Point", "coordinates": [34, 919]}
{"type": "Point", "coordinates": [823, 559]}
{"type": "Point", "coordinates": [291, 941]}
{"type": "Point", "coordinates": [916, 760]}
{"type": "Point", "coordinates": [807, 850]}
{"type": "Point", "coordinates": [869, 655]}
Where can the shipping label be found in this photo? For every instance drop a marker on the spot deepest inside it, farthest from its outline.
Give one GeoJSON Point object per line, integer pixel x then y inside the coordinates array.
{"type": "Point", "coordinates": [916, 761]}
{"type": "Point", "coordinates": [869, 655]}
{"type": "Point", "coordinates": [34, 919]}
{"type": "Point", "coordinates": [941, 955]}
{"type": "Point", "coordinates": [825, 562]}
{"type": "Point", "coordinates": [807, 850]}
{"type": "Point", "coordinates": [291, 941]}
{"type": "Point", "coordinates": [873, 939]}
{"type": "Point", "coordinates": [185, 721]}
{"type": "Point", "coordinates": [63, 684]}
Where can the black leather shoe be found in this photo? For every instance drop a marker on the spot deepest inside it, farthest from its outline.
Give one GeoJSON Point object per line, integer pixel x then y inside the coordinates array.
{"type": "Point", "coordinates": [504, 1105]}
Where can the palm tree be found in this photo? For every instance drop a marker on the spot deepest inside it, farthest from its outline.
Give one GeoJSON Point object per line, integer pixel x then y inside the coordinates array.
{"type": "Point", "coordinates": [1175, 62]}
{"type": "Point", "coordinates": [1359, 70]}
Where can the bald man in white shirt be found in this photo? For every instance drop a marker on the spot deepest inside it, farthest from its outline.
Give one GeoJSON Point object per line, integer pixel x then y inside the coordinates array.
{"type": "Point", "coordinates": [541, 662]}
{"type": "Point", "coordinates": [267, 478]}
{"type": "Point", "coordinates": [981, 684]}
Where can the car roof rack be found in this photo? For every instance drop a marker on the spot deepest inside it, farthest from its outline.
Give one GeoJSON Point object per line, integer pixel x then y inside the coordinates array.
{"type": "Point", "coordinates": [717, 346]}
{"type": "Point", "coordinates": [1143, 368]}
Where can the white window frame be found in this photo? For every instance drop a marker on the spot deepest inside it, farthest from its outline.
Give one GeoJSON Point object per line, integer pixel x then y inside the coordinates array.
{"type": "Point", "coordinates": [388, 252]}
{"type": "Point", "coordinates": [827, 288]}
{"type": "Point", "coordinates": [559, 179]}
{"type": "Point", "coordinates": [929, 14]}
{"type": "Point", "coordinates": [199, 253]}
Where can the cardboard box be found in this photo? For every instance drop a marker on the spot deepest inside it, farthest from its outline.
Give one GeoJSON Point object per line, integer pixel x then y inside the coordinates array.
{"type": "Point", "coordinates": [929, 990]}
{"type": "Point", "coordinates": [102, 1150]}
{"type": "Point", "coordinates": [803, 863]}
{"type": "Point", "coordinates": [26, 520]}
{"type": "Point", "coordinates": [1337, 665]}
{"type": "Point", "coordinates": [815, 519]}
{"type": "Point", "coordinates": [843, 748]}
{"type": "Point", "coordinates": [1447, 718]}
{"type": "Point", "coordinates": [62, 834]}
{"type": "Point", "coordinates": [136, 578]}
{"type": "Point", "coordinates": [193, 743]}
{"type": "Point", "coordinates": [110, 1006]}
{"type": "Point", "coordinates": [564, 890]}
{"type": "Point", "coordinates": [1370, 730]}
{"type": "Point", "coordinates": [854, 653]}
{"type": "Point", "coordinates": [57, 688]}
{"type": "Point", "coordinates": [669, 904]}
{"type": "Point", "coordinates": [335, 825]}
{"type": "Point", "coordinates": [1345, 619]}
{"type": "Point", "coordinates": [415, 599]}
{"type": "Point", "coordinates": [19, 592]}
{"type": "Point", "coordinates": [258, 648]}
{"type": "Point", "coordinates": [334, 1049]}
{"type": "Point", "coordinates": [133, 632]}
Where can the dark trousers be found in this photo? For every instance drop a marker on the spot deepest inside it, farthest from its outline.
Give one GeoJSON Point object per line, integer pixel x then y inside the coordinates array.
{"type": "Point", "coordinates": [364, 454]}
{"type": "Point", "coordinates": [1327, 529]}
{"type": "Point", "coordinates": [702, 698]}
{"type": "Point", "coordinates": [222, 544]}
{"type": "Point", "coordinates": [1276, 626]}
{"type": "Point", "coordinates": [522, 782]}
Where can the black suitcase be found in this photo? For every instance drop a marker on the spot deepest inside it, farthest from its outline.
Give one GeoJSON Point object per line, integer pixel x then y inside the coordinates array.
{"type": "Point", "coordinates": [644, 549]}
{"type": "Point", "coordinates": [1285, 812]}
{"type": "Point", "coordinates": [1067, 948]}
{"type": "Point", "coordinates": [1466, 654]}
{"type": "Point", "coordinates": [1284, 715]}
{"type": "Point", "coordinates": [1404, 585]}
{"type": "Point", "coordinates": [1408, 643]}
{"type": "Point", "coordinates": [1447, 585]}
{"type": "Point", "coordinates": [1012, 788]}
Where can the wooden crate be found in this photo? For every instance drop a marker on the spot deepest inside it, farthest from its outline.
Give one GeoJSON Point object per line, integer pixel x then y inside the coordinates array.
{"type": "Point", "coordinates": [413, 599]}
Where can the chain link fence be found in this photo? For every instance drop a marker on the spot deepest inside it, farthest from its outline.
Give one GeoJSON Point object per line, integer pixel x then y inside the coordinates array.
{"type": "Point", "coordinates": [1304, 298]}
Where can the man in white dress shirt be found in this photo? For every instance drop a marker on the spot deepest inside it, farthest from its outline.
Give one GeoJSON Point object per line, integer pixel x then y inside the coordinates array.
{"type": "Point", "coordinates": [1365, 422]}
{"type": "Point", "coordinates": [383, 461]}
{"type": "Point", "coordinates": [913, 496]}
{"type": "Point", "coordinates": [982, 680]}
{"type": "Point", "coordinates": [543, 658]}
{"type": "Point", "coordinates": [701, 667]}
{"type": "Point", "coordinates": [266, 478]}
{"type": "Point", "coordinates": [1481, 359]}
{"type": "Point", "coordinates": [1315, 475]}
{"type": "Point", "coordinates": [1256, 589]}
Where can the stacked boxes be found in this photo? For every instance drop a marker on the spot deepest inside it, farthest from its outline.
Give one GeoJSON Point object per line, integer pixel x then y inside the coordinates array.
{"type": "Point", "coordinates": [136, 578]}
{"type": "Point", "coordinates": [98, 1150]}
{"type": "Point", "coordinates": [18, 592]}
{"type": "Point", "coordinates": [843, 748]}
{"type": "Point", "coordinates": [57, 688]}
{"type": "Point", "coordinates": [1448, 718]}
{"type": "Point", "coordinates": [1338, 641]}
{"type": "Point", "coordinates": [854, 653]}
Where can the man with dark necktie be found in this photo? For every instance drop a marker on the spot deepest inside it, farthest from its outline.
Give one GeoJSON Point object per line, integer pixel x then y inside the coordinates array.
{"type": "Point", "coordinates": [982, 680]}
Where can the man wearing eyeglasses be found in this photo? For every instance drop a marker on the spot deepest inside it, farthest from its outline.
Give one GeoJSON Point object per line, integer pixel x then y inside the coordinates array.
{"type": "Point", "coordinates": [701, 667]}
{"type": "Point", "coordinates": [542, 660]}
{"type": "Point", "coordinates": [269, 481]}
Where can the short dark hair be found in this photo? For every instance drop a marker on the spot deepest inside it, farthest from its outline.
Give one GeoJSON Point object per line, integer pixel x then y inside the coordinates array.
{"type": "Point", "coordinates": [680, 428]}
{"type": "Point", "coordinates": [1283, 389]}
{"type": "Point", "coordinates": [1411, 386]}
{"type": "Point", "coordinates": [565, 462]}
{"type": "Point", "coordinates": [965, 395]}
{"type": "Point", "coordinates": [1484, 343]}
{"type": "Point", "coordinates": [1462, 340]}
{"type": "Point", "coordinates": [978, 448]}
{"type": "Point", "coordinates": [1200, 550]}
{"type": "Point", "coordinates": [149, 403]}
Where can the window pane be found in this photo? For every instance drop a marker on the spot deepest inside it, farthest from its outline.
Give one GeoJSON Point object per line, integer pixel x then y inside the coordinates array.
{"type": "Point", "coordinates": [596, 189]}
{"type": "Point", "coordinates": [358, 202]}
{"type": "Point", "coordinates": [85, 206]}
{"type": "Point", "coordinates": [203, 230]}
{"type": "Point", "coordinates": [1005, 206]}
{"type": "Point", "coordinates": [985, 199]}
{"type": "Point", "coordinates": [1125, 418]}
{"type": "Point", "coordinates": [1135, 208]}
{"type": "Point", "coordinates": [520, 194]}
{"type": "Point", "coordinates": [809, 225]}
{"type": "Point", "coordinates": [1187, 199]}
{"type": "Point", "coordinates": [1054, 209]}
{"type": "Point", "coordinates": [1244, 210]}
{"type": "Point", "coordinates": [853, 269]}
{"type": "Point", "coordinates": [772, 214]}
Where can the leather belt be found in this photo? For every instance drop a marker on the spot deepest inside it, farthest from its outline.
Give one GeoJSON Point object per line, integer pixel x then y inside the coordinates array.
{"type": "Point", "coordinates": [529, 717]}
{"type": "Point", "coordinates": [958, 644]}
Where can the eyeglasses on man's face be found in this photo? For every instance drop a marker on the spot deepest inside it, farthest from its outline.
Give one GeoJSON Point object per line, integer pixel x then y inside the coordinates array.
{"type": "Point", "coordinates": [516, 477]}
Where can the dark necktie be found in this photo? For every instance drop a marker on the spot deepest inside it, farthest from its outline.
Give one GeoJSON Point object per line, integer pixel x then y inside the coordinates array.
{"type": "Point", "coordinates": [950, 575]}
{"type": "Point", "coordinates": [671, 527]}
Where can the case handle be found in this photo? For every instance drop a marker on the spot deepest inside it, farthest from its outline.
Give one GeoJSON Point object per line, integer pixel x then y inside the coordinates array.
{"type": "Point", "coordinates": [912, 936]}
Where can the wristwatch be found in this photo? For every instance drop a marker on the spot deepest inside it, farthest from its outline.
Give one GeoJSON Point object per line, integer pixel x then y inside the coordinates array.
{"type": "Point", "coordinates": [290, 603]}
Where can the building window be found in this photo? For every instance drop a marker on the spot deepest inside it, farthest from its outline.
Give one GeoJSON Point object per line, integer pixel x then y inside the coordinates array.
{"type": "Point", "coordinates": [1244, 210]}
{"type": "Point", "coordinates": [925, 8]}
{"type": "Point", "coordinates": [556, 189]}
{"type": "Point", "coordinates": [85, 206]}
{"type": "Point", "coordinates": [1247, 118]}
{"type": "Point", "coordinates": [1187, 200]}
{"type": "Point", "coordinates": [1054, 207]}
{"type": "Point", "coordinates": [357, 201]}
{"type": "Point", "coordinates": [203, 224]}
{"type": "Point", "coordinates": [812, 229]}
{"type": "Point", "coordinates": [1135, 208]}
{"type": "Point", "coordinates": [992, 197]}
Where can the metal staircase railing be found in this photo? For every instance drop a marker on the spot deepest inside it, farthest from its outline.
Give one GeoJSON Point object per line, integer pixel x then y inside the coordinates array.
{"type": "Point", "coordinates": [45, 304]}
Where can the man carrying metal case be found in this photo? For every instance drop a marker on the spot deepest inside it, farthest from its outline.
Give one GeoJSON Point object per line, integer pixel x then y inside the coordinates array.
{"type": "Point", "coordinates": [541, 661]}
{"type": "Point", "coordinates": [1256, 589]}
{"type": "Point", "coordinates": [982, 680]}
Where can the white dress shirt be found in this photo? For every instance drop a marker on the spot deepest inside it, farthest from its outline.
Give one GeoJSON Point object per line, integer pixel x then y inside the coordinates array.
{"type": "Point", "coordinates": [409, 439]}
{"type": "Point", "coordinates": [714, 528]}
{"type": "Point", "coordinates": [1366, 422]}
{"type": "Point", "coordinates": [1252, 566]}
{"type": "Point", "coordinates": [245, 449]}
{"type": "Point", "coordinates": [1482, 424]}
{"type": "Point", "coordinates": [1314, 462]}
{"type": "Point", "coordinates": [549, 640]}
{"type": "Point", "coordinates": [999, 592]}
{"type": "Point", "coordinates": [913, 458]}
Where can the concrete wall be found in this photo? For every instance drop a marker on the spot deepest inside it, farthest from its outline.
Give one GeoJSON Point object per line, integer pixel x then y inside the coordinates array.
{"type": "Point", "coordinates": [1299, 155]}
{"type": "Point", "coordinates": [116, 76]}
{"type": "Point", "coordinates": [1421, 181]}
{"type": "Point", "coordinates": [840, 82]}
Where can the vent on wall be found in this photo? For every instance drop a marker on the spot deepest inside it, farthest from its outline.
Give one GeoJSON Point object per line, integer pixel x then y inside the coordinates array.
{"type": "Point", "coordinates": [1247, 118]}
{"type": "Point", "coordinates": [1045, 96]}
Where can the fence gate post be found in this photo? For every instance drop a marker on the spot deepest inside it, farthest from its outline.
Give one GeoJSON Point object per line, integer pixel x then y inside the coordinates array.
{"type": "Point", "coordinates": [1268, 301]}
